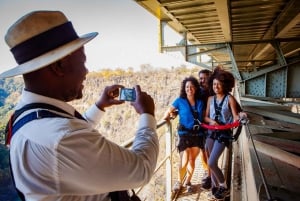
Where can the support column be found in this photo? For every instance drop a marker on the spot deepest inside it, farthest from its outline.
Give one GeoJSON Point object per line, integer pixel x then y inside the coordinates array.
{"type": "Point", "coordinates": [161, 35]}
{"type": "Point", "coordinates": [234, 66]}
{"type": "Point", "coordinates": [169, 162]}
{"type": "Point", "coordinates": [282, 62]}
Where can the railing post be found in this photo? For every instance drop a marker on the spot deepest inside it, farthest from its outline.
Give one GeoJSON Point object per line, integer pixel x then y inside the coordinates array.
{"type": "Point", "coordinates": [169, 161]}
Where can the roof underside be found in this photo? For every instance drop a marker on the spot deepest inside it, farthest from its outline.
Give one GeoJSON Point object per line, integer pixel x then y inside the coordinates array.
{"type": "Point", "coordinates": [258, 32]}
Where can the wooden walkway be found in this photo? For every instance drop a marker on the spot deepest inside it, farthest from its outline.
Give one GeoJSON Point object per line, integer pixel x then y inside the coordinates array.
{"type": "Point", "coordinates": [199, 194]}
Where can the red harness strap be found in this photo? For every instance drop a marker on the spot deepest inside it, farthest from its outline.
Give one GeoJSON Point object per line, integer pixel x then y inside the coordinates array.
{"type": "Point", "coordinates": [221, 127]}
{"type": "Point", "coordinates": [9, 130]}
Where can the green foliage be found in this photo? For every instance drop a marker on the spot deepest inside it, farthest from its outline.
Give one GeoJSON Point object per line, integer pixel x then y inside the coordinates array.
{"type": "Point", "coordinates": [7, 190]}
{"type": "Point", "coordinates": [2, 134]}
{"type": "Point", "coordinates": [3, 95]}
{"type": "Point", "coordinates": [10, 90]}
{"type": "Point", "coordinates": [10, 85]}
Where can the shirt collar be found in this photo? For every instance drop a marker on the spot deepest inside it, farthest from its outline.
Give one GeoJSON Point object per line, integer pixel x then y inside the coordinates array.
{"type": "Point", "coordinates": [30, 97]}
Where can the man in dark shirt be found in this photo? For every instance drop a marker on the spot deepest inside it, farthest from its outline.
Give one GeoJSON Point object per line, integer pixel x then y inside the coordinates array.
{"type": "Point", "coordinates": [204, 86]}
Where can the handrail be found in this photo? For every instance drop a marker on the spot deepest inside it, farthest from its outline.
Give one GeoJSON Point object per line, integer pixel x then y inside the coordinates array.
{"type": "Point", "coordinates": [128, 143]}
{"type": "Point", "coordinates": [167, 160]}
{"type": "Point", "coordinates": [262, 175]}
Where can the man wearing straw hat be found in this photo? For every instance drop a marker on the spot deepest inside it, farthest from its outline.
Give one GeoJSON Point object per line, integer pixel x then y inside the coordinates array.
{"type": "Point", "coordinates": [57, 154]}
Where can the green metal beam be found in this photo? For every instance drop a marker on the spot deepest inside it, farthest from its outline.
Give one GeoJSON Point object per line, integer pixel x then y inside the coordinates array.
{"type": "Point", "coordinates": [235, 69]}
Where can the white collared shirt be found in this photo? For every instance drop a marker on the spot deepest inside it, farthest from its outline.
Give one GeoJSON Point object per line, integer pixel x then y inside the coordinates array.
{"type": "Point", "coordinates": [67, 159]}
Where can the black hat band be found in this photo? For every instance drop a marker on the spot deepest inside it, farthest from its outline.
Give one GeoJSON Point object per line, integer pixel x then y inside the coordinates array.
{"type": "Point", "coordinates": [44, 42]}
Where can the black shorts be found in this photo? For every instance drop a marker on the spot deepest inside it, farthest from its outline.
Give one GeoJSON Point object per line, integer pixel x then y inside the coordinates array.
{"type": "Point", "coordinates": [187, 141]}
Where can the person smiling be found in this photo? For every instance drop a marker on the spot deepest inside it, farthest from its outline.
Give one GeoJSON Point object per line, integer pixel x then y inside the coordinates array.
{"type": "Point", "coordinates": [222, 108]}
{"type": "Point", "coordinates": [190, 109]}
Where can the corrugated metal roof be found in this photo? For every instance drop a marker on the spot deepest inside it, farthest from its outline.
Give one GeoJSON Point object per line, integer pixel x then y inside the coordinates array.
{"type": "Point", "coordinates": [256, 31]}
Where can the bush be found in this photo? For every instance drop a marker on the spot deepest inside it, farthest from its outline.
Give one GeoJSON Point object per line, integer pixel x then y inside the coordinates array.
{"type": "Point", "coordinates": [7, 190]}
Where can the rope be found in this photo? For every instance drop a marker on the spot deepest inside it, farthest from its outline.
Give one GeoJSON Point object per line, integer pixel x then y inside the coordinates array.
{"type": "Point", "coordinates": [221, 127]}
{"type": "Point", "coordinates": [237, 124]}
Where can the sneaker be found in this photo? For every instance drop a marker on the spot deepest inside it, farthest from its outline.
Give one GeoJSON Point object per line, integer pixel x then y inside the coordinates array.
{"type": "Point", "coordinates": [221, 193]}
{"type": "Point", "coordinates": [177, 186]}
{"type": "Point", "coordinates": [210, 197]}
{"type": "Point", "coordinates": [206, 183]}
{"type": "Point", "coordinates": [189, 187]}
{"type": "Point", "coordinates": [211, 194]}
{"type": "Point", "coordinates": [214, 190]}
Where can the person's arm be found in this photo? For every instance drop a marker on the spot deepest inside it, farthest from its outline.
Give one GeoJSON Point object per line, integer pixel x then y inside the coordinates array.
{"type": "Point", "coordinates": [170, 113]}
{"type": "Point", "coordinates": [107, 99]}
{"type": "Point", "coordinates": [90, 163]}
{"type": "Point", "coordinates": [98, 165]}
{"type": "Point", "coordinates": [240, 111]}
{"type": "Point", "coordinates": [234, 108]}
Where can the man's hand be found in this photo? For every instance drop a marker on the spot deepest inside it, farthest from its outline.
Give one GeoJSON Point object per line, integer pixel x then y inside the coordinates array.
{"type": "Point", "coordinates": [108, 97]}
{"type": "Point", "coordinates": [143, 103]}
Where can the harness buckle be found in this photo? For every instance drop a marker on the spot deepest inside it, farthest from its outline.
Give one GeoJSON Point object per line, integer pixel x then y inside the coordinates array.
{"type": "Point", "coordinates": [38, 114]}
{"type": "Point", "coordinates": [196, 127]}
{"type": "Point", "coordinates": [244, 121]}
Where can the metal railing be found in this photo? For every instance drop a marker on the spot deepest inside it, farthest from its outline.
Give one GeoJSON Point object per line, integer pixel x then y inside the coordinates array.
{"type": "Point", "coordinates": [250, 191]}
{"type": "Point", "coordinates": [166, 160]}
{"type": "Point", "coordinates": [238, 160]}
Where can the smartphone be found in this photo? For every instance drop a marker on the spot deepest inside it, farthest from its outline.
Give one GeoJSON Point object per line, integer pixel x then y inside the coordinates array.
{"type": "Point", "coordinates": [127, 94]}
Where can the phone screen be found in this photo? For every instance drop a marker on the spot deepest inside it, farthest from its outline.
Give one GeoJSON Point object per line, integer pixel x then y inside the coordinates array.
{"type": "Point", "coordinates": [127, 94]}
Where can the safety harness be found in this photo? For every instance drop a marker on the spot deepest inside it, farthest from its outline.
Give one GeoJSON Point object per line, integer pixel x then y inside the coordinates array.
{"type": "Point", "coordinates": [222, 127]}
{"type": "Point", "coordinates": [236, 124]}
{"type": "Point", "coordinates": [196, 130]}
{"type": "Point", "coordinates": [43, 112]}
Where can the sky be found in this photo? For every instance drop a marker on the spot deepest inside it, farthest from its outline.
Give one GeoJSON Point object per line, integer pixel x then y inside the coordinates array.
{"type": "Point", "coordinates": [128, 34]}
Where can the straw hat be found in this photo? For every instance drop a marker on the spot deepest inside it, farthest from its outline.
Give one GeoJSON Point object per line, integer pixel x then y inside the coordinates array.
{"type": "Point", "coordinates": [41, 38]}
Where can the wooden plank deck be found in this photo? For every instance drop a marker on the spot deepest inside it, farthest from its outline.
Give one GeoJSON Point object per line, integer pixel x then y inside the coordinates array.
{"type": "Point", "coordinates": [200, 194]}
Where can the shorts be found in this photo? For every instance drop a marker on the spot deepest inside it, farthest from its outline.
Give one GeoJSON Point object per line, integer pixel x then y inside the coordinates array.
{"type": "Point", "coordinates": [187, 141]}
